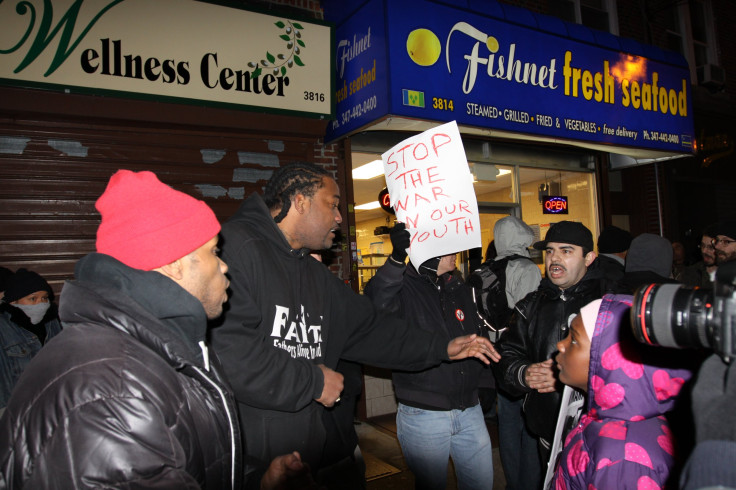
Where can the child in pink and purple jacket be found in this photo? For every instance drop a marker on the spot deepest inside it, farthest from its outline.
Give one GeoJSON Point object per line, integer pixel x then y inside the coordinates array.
{"type": "Point", "coordinates": [623, 440]}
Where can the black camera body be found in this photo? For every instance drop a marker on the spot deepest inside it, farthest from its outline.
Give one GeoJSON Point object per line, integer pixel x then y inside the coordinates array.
{"type": "Point", "coordinates": [673, 315]}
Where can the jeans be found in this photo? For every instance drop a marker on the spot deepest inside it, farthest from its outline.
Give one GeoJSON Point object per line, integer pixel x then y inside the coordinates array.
{"type": "Point", "coordinates": [520, 459]}
{"type": "Point", "coordinates": [429, 438]}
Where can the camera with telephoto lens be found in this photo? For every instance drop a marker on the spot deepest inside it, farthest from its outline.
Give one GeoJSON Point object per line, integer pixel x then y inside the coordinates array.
{"type": "Point", "coordinates": [673, 315]}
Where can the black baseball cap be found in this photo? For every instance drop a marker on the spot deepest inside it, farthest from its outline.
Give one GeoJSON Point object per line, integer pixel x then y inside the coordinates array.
{"type": "Point", "coordinates": [570, 232]}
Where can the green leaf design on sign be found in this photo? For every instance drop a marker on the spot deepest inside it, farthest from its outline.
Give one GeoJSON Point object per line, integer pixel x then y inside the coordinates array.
{"type": "Point", "coordinates": [278, 64]}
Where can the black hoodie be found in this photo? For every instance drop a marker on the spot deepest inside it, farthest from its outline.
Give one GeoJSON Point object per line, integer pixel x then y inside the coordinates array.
{"type": "Point", "coordinates": [441, 304]}
{"type": "Point", "coordinates": [288, 313]}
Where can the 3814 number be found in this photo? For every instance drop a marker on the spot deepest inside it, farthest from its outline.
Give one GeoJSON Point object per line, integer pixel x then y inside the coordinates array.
{"type": "Point", "coordinates": [442, 104]}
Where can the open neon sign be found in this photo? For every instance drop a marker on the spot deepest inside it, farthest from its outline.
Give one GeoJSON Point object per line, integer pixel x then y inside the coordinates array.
{"type": "Point", "coordinates": [554, 205]}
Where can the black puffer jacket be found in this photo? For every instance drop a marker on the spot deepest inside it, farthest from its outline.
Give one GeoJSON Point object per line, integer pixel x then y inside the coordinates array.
{"type": "Point", "coordinates": [434, 304]}
{"type": "Point", "coordinates": [538, 323]}
{"type": "Point", "coordinates": [123, 397]}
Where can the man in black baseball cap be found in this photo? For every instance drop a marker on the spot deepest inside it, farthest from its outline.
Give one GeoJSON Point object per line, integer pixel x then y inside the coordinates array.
{"type": "Point", "coordinates": [540, 321]}
{"type": "Point", "coordinates": [569, 252]}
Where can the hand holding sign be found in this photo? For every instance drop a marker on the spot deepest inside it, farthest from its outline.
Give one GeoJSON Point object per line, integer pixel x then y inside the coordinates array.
{"type": "Point", "coordinates": [431, 190]}
{"type": "Point", "coordinates": [400, 241]}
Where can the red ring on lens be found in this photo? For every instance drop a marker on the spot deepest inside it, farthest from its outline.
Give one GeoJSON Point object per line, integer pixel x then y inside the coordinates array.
{"type": "Point", "coordinates": [643, 302]}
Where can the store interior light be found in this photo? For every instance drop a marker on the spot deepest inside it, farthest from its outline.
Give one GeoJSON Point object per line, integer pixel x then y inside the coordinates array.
{"type": "Point", "coordinates": [368, 205]}
{"type": "Point", "coordinates": [368, 171]}
{"type": "Point", "coordinates": [487, 172]}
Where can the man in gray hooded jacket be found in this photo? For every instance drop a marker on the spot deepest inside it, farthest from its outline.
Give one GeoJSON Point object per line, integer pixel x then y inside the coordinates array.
{"type": "Point", "coordinates": [513, 237]}
{"type": "Point", "coordinates": [649, 260]}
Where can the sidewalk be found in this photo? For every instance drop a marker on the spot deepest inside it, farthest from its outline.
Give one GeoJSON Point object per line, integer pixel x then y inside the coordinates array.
{"type": "Point", "coordinates": [377, 437]}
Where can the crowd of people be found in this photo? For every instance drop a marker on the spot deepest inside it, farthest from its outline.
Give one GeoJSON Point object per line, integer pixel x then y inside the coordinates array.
{"type": "Point", "coordinates": [190, 354]}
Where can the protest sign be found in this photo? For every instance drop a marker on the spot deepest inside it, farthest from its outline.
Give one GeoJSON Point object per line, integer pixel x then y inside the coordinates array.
{"type": "Point", "coordinates": [431, 190]}
{"type": "Point", "coordinates": [571, 408]}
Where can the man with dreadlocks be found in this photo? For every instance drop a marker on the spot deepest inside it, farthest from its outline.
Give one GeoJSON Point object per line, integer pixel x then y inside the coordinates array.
{"type": "Point", "coordinates": [291, 321]}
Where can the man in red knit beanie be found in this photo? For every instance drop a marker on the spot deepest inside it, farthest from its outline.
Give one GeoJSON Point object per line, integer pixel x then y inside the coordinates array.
{"type": "Point", "coordinates": [128, 395]}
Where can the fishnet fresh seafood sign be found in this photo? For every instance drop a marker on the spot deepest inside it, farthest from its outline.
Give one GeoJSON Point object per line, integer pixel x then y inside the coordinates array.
{"type": "Point", "coordinates": [178, 49]}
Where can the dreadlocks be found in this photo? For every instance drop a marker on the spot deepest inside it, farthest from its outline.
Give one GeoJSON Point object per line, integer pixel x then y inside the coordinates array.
{"type": "Point", "coordinates": [292, 179]}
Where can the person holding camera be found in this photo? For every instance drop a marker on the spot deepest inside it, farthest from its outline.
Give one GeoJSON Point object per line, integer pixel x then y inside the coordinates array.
{"type": "Point", "coordinates": [711, 463]}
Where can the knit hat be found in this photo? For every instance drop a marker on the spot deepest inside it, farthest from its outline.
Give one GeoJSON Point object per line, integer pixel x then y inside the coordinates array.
{"type": "Point", "coordinates": [710, 231]}
{"type": "Point", "coordinates": [570, 232]}
{"type": "Point", "coordinates": [146, 224]}
{"type": "Point", "coordinates": [613, 240]}
{"type": "Point", "coordinates": [650, 252]}
{"type": "Point", "coordinates": [23, 283]}
{"type": "Point", "coordinates": [5, 276]}
{"type": "Point", "coordinates": [726, 228]}
{"type": "Point", "coordinates": [589, 313]}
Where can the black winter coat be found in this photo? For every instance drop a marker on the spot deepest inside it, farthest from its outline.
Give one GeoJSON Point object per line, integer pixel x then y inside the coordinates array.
{"type": "Point", "coordinates": [538, 323]}
{"type": "Point", "coordinates": [123, 396]}
{"type": "Point", "coordinates": [444, 306]}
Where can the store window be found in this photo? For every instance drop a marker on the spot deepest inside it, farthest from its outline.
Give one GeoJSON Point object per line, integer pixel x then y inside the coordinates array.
{"type": "Point", "coordinates": [596, 14]}
{"type": "Point", "coordinates": [501, 190]}
{"type": "Point", "coordinates": [576, 190]}
{"type": "Point", "coordinates": [546, 197]}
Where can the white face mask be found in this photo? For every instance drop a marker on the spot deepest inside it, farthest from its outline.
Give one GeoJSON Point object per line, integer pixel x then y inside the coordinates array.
{"type": "Point", "coordinates": [34, 312]}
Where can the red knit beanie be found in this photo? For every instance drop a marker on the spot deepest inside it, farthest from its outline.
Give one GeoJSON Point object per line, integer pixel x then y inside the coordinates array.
{"type": "Point", "coordinates": [146, 224]}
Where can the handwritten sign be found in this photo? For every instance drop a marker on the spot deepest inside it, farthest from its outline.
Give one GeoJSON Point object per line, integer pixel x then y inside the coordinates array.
{"type": "Point", "coordinates": [431, 190]}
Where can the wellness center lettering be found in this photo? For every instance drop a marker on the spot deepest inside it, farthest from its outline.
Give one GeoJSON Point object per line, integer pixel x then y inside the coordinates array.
{"type": "Point", "coordinates": [110, 59]}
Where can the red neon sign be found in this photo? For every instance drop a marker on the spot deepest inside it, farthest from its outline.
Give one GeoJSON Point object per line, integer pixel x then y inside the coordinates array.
{"type": "Point", "coordinates": [385, 201]}
{"type": "Point", "coordinates": [554, 205]}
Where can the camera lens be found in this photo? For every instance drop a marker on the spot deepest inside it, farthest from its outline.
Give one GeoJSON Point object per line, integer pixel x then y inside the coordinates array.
{"type": "Point", "coordinates": [673, 315]}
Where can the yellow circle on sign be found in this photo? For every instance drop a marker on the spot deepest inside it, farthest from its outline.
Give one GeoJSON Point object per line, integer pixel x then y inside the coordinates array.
{"type": "Point", "coordinates": [423, 46]}
{"type": "Point", "coordinates": [492, 44]}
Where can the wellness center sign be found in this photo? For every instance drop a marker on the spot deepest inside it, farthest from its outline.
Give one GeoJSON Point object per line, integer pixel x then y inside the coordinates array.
{"type": "Point", "coordinates": [184, 50]}
{"type": "Point", "coordinates": [485, 71]}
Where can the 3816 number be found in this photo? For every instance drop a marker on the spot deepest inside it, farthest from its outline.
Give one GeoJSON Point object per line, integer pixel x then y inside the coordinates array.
{"type": "Point", "coordinates": [314, 96]}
